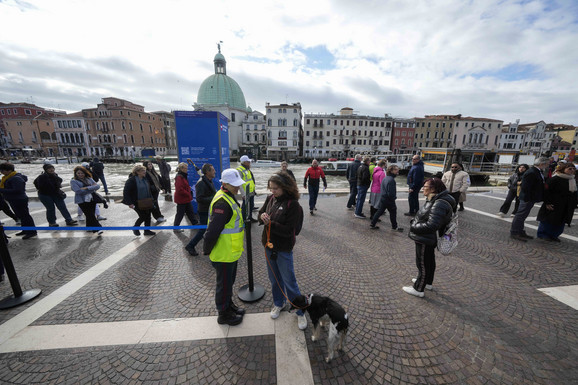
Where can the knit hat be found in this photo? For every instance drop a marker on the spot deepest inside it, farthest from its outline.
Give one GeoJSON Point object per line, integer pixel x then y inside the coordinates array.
{"type": "Point", "coordinates": [47, 166]}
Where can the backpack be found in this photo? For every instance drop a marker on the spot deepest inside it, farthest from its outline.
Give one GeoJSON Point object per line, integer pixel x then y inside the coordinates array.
{"type": "Point", "coordinates": [299, 217]}
{"type": "Point", "coordinates": [449, 239]}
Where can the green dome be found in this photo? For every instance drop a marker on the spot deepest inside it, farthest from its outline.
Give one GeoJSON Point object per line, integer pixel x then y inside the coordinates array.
{"type": "Point", "coordinates": [221, 89]}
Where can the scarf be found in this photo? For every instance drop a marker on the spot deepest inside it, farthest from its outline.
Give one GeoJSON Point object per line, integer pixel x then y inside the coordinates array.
{"type": "Point", "coordinates": [571, 180]}
{"type": "Point", "coordinates": [6, 177]}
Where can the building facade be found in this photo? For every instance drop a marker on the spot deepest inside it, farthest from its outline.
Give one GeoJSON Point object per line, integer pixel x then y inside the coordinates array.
{"type": "Point", "coordinates": [254, 136]}
{"type": "Point", "coordinates": [170, 130]}
{"type": "Point", "coordinates": [402, 136]}
{"type": "Point", "coordinates": [284, 130]}
{"type": "Point", "coordinates": [71, 135]}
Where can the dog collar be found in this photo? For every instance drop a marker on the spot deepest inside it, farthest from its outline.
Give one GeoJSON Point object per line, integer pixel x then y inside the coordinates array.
{"type": "Point", "coordinates": [309, 299]}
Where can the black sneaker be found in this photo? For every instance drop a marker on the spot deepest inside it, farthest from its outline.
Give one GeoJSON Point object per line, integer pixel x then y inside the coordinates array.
{"type": "Point", "coordinates": [192, 251]}
{"type": "Point", "coordinates": [524, 235]}
{"type": "Point", "coordinates": [72, 223]}
{"type": "Point", "coordinates": [518, 237]}
{"type": "Point", "coordinates": [53, 225]}
{"type": "Point", "coordinates": [28, 236]}
{"type": "Point", "coordinates": [229, 317]}
{"type": "Point", "coordinates": [148, 232]}
{"type": "Point", "coordinates": [398, 229]}
{"type": "Point", "coordinates": [409, 214]}
{"type": "Point", "coordinates": [373, 227]}
{"type": "Point", "coordinates": [236, 309]}
{"type": "Point", "coordinates": [136, 232]}
{"type": "Point", "coordinates": [20, 234]}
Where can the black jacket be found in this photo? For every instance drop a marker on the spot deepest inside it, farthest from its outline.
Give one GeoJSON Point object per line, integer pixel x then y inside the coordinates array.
{"type": "Point", "coordinates": [284, 213]}
{"type": "Point", "coordinates": [48, 184]}
{"type": "Point", "coordinates": [204, 191]}
{"type": "Point", "coordinates": [432, 219]}
{"type": "Point", "coordinates": [130, 192]}
{"type": "Point", "coordinates": [557, 193]}
{"type": "Point", "coordinates": [532, 189]}
{"type": "Point", "coordinates": [352, 170]}
{"type": "Point", "coordinates": [363, 175]}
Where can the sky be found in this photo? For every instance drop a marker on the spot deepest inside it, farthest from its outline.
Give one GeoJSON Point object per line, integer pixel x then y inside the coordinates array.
{"type": "Point", "coordinates": [499, 59]}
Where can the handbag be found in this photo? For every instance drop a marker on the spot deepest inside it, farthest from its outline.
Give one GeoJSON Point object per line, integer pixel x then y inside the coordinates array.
{"type": "Point", "coordinates": [145, 204]}
{"type": "Point", "coordinates": [449, 239]}
{"type": "Point", "coordinates": [61, 194]}
{"type": "Point", "coordinates": [97, 198]}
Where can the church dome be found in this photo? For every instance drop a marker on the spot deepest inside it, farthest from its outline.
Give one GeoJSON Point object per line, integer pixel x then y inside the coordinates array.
{"type": "Point", "coordinates": [220, 89]}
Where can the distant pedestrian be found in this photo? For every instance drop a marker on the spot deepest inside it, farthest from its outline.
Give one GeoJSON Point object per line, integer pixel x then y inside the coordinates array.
{"type": "Point", "coordinates": [559, 202]}
{"type": "Point", "coordinates": [514, 182]}
{"type": "Point", "coordinates": [13, 188]}
{"type": "Point", "coordinates": [387, 199]}
{"type": "Point", "coordinates": [155, 181]}
{"type": "Point", "coordinates": [183, 197]}
{"type": "Point", "coordinates": [351, 176]}
{"type": "Point", "coordinates": [138, 196]}
{"type": "Point", "coordinates": [429, 223]}
{"type": "Point", "coordinates": [284, 167]}
{"type": "Point", "coordinates": [372, 165]}
{"type": "Point", "coordinates": [457, 182]}
{"type": "Point", "coordinates": [49, 186]}
{"type": "Point", "coordinates": [247, 175]}
{"type": "Point", "coordinates": [97, 169]}
{"type": "Point", "coordinates": [165, 170]}
{"type": "Point", "coordinates": [531, 192]}
{"type": "Point", "coordinates": [314, 174]}
{"type": "Point", "coordinates": [414, 182]}
{"type": "Point", "coordinates": [363, 183]}
{"type": "Point", "coordinates": [224, 243]}
{"type": "Point", "coordinates": [204, 191]}
{"type": "Point", "coordinates": [375, 194]}
{"type": "Point", "coordinates": [83, 186]}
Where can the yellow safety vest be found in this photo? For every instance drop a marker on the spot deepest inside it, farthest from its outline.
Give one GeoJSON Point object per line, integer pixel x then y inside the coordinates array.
{"type": "Point", "coordinates": [229, 246]}
{"type": "Point", "coordinates": [247, 176]}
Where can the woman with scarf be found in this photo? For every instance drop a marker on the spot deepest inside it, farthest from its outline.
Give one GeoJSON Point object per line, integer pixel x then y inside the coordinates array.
{"type": "Point", "coordinates": [559, 203]}
{"type": "Point", "coordinates": [13, 188]}
{"type": "Point", "coordinates": [138, 196]}
{"type": "Point", "coordinates": [83, 186]}
{"type": "Point", "coordinates": [183, 197]}
{"type": "Point", "coordinates": [49, 186]}
{"type": "Point", "coordinates": [282, 215]}
{"type": "Point", "coordinates": [155, 182]}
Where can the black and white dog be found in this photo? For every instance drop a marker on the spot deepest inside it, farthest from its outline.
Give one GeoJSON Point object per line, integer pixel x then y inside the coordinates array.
{"type": "Point", "coordinates": [323, 310]}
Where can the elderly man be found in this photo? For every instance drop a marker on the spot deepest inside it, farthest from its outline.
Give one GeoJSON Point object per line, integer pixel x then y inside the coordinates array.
{"type": "Point", "coordinates": [457, 181]}
{"type": "Point", "coordinates": [351, 176]}
{"type": "Point", "coordinates": [363, 183]}
{"type": "Point", "coordinates": [314, 174]}
{"type": "Point", "coordinates": [414, 182]}
{"type": "Point", "coordinates": [531, 192]}
{"type": "Point", "coordinates": [246, 174]}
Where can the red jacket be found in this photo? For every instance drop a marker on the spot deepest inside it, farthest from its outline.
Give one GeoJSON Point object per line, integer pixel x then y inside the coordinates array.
{"type": "Point", "coordinates": [314, 174]}
{"type": "Point", "coordinates": [183, 192]}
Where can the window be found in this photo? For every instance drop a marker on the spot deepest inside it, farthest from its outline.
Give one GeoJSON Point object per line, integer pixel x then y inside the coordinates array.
{"type": "Point", "coordinates": [130, 125]}
{"type": "Point", "coordinates": [28, 112]}
{"type": "Point", "coordinates": [268, 110]}
{"type": "Point", "coordinates": [3, 112]}
{"type": "Point", "coordinates": [232, 116]}
{"type": "Point", "coordinates": [15, 111]}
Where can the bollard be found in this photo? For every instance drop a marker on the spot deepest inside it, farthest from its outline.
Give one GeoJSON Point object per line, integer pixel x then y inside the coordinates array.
{"type": "Point", "coordinates": [19, 296]}
{"type": "Point", "coordinates": [250, 292]}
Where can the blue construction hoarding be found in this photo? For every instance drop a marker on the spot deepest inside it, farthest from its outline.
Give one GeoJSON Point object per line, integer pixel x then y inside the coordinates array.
{"type": "Point", "coordinates": [203, 137]}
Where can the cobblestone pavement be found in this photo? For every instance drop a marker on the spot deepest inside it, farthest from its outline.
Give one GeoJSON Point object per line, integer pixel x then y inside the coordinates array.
{"type": "Point", "coordinates": [485, 322]}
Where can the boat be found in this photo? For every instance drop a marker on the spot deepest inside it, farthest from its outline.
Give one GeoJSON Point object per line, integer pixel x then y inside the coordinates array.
{"type": "Point", "coordinates": [335, 167]}
{"type": "Point", "coordinates": [53, 160]}
{"type": "Point", "coordinates": [265, 163]}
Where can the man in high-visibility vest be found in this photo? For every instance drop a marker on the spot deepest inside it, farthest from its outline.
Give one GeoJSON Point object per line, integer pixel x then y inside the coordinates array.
{"type": "Point", "coordinates": [224, 244]}
{"type": "Point", "coordinates": [246, 174]}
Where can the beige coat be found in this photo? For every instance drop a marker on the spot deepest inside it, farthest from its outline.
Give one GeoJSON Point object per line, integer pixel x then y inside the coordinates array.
{"type": "Point", "coordinates": [461, 183]}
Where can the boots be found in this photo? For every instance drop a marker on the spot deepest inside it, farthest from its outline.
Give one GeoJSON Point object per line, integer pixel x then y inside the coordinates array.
{"type": "Point", "coordinates": [236, 309]}
{"type": "Point", "coordinates": [229, 317]}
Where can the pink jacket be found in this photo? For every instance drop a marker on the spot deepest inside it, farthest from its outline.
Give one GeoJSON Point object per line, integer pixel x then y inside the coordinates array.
{"type": "Point", "coordinates": [378, 175]}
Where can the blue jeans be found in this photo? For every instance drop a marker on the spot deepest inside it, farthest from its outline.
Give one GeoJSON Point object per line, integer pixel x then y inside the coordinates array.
{"type": "Point", "coordinates": [352, 193]}
{"type": "Point", "coordinates": [518, 221]}
{"type": "Point", "coordinates": [313, 193]}
{"type": "Point", "coordinates": [548, 230]}
{"type": "Point", "coordinates": [103, 181]}
{"type": "Point", "coordinates": [203, 218]}
{"type": "Point", "coordinates": [50, 201]}
{"type": "Point", "coordinates": [361, 193]}
{"type": "Point", "coordinates": [282, 277]}
{"type": "Point", "coordinates": [413, 200]}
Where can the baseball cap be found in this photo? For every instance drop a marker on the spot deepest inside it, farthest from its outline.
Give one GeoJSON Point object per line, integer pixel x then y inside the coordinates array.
{"type": "Point", "coordinates": [245, 158]}
{"type": "Point", "coordinates": [231, 176]}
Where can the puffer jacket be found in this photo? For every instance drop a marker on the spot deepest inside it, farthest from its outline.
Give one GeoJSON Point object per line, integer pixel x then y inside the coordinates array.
{"type": "Point", "coordinates": [432, 219]}
{"type": "Point", "coordinates": [378, 175]}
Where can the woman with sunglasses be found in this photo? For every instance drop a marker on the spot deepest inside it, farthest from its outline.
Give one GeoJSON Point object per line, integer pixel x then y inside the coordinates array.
{"type": "Point", "coordinates": [425, 228]}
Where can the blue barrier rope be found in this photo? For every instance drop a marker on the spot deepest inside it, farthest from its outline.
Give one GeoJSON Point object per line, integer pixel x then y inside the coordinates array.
{"type": "Point", "coordinates": [77, 228]}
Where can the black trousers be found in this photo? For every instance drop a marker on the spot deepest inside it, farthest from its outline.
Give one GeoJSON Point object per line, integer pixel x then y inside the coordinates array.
{"type": "Point", "coordinates": [456, 196]}
{"type": "Point", "coordinates": [20, 207]}
{"type": "Point", "coordinates": [6, 208]}
{"type": "Point", "coordinates": [425, 261]}
{"type": "Point", "coordinates": [389, 206]}
{"type": "Point", "coordinates": [512, 194]}
{"type": "Point", "coordinates": [226, 274]}
{"type": "Point", "coordinates": [182, 209]}
{"type": "Point", "coordinates": [143, 216]}
{"type": "Point", "coordinates": [88, 210]}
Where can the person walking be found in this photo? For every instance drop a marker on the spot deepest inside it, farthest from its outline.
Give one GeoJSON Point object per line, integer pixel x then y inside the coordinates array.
{"type": "Point", "coordinates": [282, 216]}
{"type": "Point", "coordinates": [559, 202]}
{"type": "Point", "coordinates": [165, 170]}
{"type": "Point", "coordinates": [97, 169]}
{"type": "Point", "coordinates": [4, 206]}
{"type": "Point", "coordinates": [387, 199]}
{"type": "Point", "coordinates": [224, 244]}
{"type": "Point", "coordinates": [458, 182]}
{"type": "Point", "coordinates": [363, 183]}
{"type": "Point", "coordinates": [13, 188]}
{"type": "Point", "coordinates": [204, 192]}
{"type": "Point", "coordinates": [155, 181]}
{"type": "Point", "coordinates": [428, 224]}
{"type": "Point", "coordinates": [284, 167]}
{"type": "Point", "coordinates": [375, 194]}
{"type": "Point", "coordinates": [351, 176]}
{"type": "Point", "coordinates": [138, 196]}
{"type": "Point", "coordinates": [80, 214]}
{"type": "Point", "coordinates": [49, 186]}
{"type": "Point", "coordinates": [414, 182]}
{"type": "Point", "coordinates": [314, 174]}
{"type": "Point", "coordinates": [514, 182]}
{"type": "Point", "coordinates": [183, 197]}
{"type": "Point", "coordinates": [531, 192]}
{"type": "Point", "coordinates": [83, 186]}
{"type": "Point", "coordinates": [247, 175]}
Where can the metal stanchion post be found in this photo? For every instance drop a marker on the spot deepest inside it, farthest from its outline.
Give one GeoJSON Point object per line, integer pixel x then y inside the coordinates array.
{"type": "Point", "coordinates": [19, 296]}
{"type": "Point", "coordinates": [250, 292]}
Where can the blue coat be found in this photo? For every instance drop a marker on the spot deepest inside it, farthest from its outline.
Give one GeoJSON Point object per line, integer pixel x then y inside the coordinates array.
{"type": "Point", "coordinates": [415, 176]}
{"type": "Point", "coordinates": [15, 188]}
{"type": "Point", "coordinates": [81, 195]}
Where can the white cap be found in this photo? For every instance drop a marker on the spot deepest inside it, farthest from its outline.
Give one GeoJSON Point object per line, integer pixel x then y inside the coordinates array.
{"type": "Point", "coordinates": [244, 159]}
{"type": "Point", "coordinates": [231, 176]}
{"type": "Point", "coordinates": [85, 164]}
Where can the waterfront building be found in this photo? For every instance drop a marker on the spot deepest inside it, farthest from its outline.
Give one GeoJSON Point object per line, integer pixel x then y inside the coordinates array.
{"type": "Point", "coordinates": [284, 130]}
{"type": "Point", "coordinates": [119, 128]}
{"type": "Point", "coordinates": [71, 135]}
{"type": "Point", "coordinates": [254, 136]}
{"type": "Point", "coordinates": [435, 131]}
{"type": "Point", "coordinates": [402, 136]}
{"type": "Point", "coordinates": [510, 138]}
{"type": "Point", "coordinates": [344, 135]}
{"type": "Point", "coordinates": [168, 119]}
{"type": "Point", "coordinates": [221, 93]}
